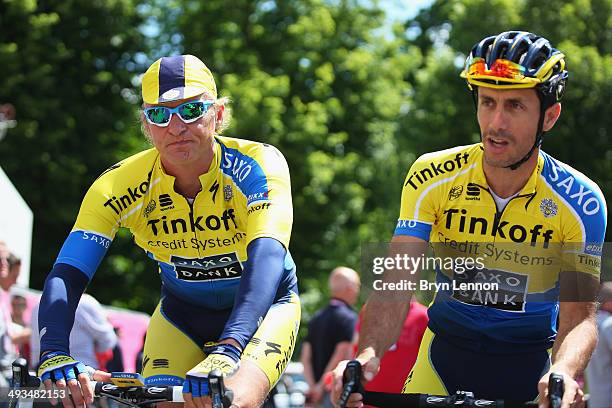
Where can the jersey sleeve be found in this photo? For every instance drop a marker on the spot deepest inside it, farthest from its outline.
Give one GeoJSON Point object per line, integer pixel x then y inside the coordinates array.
{"type": "Point", "coordinates": [418, 208]}
{"type": "Point", "coordinates": [584, 236]}
{"type": "Point", "coordinates": [269, 206]}
{"type": "Point", "coordinates": [94, 229]}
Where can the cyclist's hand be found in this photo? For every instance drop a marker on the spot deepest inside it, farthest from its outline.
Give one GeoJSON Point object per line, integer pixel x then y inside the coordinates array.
{"type": "Point", "coordinates": [573, 396]}
{"type": "Point", "coordinates": [64, 372]}
{"type": "Point", "coordinates": [225, 357]}
{"type": "Point", "coordinates": [369, 366]}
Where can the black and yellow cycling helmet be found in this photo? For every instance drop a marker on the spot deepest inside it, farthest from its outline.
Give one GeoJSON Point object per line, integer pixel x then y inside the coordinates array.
{"type": "Point", "coordinates": [518, 60]}
{"type": "Point", "coordinates": [515, 60]}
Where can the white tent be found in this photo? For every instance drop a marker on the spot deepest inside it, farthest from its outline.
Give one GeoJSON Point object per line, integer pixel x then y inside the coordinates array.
{"type": "Point", "coordinates": [16, 221]}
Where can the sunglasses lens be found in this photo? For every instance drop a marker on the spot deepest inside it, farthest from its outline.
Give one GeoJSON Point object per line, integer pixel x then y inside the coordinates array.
{"type": "Point", "coordinates": [158, 115]}
{"type": "Point", "coordinates": [192, 110]}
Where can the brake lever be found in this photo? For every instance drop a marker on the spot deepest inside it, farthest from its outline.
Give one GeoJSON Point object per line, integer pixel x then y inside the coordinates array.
{"type": "Point", "coordinates": [220, 396]}
{"type": "Point", "coordinates": [351, 382]}
{"type": "Point", "coordinates": [556, 388]}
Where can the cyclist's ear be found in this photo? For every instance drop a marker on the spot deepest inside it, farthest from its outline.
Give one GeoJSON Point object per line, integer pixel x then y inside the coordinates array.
{"type": "Point", "coordinates": [550, 116]}
{"type": "Point", "coordinates": [219, 116]}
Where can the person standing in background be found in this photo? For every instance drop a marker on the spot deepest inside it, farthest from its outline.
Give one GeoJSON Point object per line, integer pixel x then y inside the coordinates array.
{"type": "Point", "coordinates": [599, 370]}
{"type": "Point", "coordinates": [21, 329]}
{"type": "Point", "coordinates": [91, 333]}
{"type": "Point", "coordinates": [330, 332]}
{"type": "Point", "coordinates": [8, 351]}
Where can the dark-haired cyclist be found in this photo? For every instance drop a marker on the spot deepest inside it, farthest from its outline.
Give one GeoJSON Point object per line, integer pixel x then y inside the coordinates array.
{"type": "Point", "coordinates": [528, 216]}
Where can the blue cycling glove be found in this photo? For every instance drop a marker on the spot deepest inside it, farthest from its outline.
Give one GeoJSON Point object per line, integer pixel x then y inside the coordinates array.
{"type": "Point", "coordinates": [58, 365]}
{"type": "Point", "coordinates": [224, 357]}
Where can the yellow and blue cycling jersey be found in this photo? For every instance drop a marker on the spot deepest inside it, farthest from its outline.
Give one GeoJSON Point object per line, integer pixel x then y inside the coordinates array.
{"type": "Point", "coordinates": [200, 246]}
{"type": "Point", "coordinates": [556, 222]}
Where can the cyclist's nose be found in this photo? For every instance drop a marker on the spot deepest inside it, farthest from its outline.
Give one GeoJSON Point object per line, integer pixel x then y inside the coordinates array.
{"type": "Point", "coordinates": [498, 119]}
{"type": "Point", "coordinates": [176, 125]}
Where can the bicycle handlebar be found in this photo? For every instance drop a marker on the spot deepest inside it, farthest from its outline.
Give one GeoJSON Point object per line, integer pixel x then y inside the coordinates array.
{"type": "Point", "coordinates": [134, 395]}
{"type": "Point", "coordinates": [352, 384]}
{"type": "Point", "coordinates": [139, 394]}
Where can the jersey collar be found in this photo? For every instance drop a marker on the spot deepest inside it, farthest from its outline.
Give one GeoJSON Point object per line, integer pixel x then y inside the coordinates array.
{"type": "Point", "coordinates": [528, 189]}
{"type": "Point", "coordinates": [207, 179]}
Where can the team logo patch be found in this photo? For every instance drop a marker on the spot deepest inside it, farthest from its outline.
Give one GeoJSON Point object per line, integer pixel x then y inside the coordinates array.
{"type": "Point", "coordinates": [227, 192]}
{"type": "Point", "coordinates": [548, 207]}
{"type": "Point", "coordinates": [455, 193]}
{"type": "Point", "coordinates": [473, 192]}
{"type": "Point", "coordinates": [149, 208]}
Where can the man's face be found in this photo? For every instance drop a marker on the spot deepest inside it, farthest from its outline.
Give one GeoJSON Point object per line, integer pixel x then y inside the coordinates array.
{"type": "Point", "coordinates": [508, 121]}
{"type": "Point", "coordinates": [182, 143]}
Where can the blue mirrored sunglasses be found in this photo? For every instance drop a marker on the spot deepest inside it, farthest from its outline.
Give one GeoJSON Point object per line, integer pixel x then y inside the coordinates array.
{"type": "Point", "coordinates": [188, 112]}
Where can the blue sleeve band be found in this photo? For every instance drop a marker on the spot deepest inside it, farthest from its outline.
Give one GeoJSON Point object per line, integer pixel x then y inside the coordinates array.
{"type": "Point", "coordinates": [63, 289]}
{"type": "Point", "coordinates": [258, 285]}
{"type": "Point", "coordinates": [413, 228]}
{"type": "Point", "coordinates": [84, 250]}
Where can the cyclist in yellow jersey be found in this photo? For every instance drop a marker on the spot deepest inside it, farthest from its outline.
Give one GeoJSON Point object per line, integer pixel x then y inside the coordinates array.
{"type": "Point", "coordinates": [215, 213]}
{"type": "Point", "coordinates": [530, 218]}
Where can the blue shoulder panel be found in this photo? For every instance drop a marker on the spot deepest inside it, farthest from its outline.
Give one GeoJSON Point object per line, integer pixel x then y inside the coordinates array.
{"type": "Point", "coordinates": [248, 175]}
{"type": "Point", "coordinates": [582, 195]}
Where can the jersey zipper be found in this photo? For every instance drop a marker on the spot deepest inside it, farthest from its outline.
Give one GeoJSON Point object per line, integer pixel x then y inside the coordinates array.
{"type": "Point", "coordinates": [498, 214]}
{"type": "Point", "coordinates": [191, 220]}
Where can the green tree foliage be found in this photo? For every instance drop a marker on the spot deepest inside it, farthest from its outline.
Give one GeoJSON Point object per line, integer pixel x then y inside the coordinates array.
{"type": "Point", "coordinates": [67, 68]}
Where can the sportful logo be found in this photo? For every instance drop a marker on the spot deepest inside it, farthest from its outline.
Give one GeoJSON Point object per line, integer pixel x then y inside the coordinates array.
{"type": "Point", "coordinates": [160, 363]}
{"type": "Point", "coordinates": [435, 169]}
{"type": "Point", "coordinates": [473, 192]}
{"type": "Point", "coordinates": [165, 201]}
